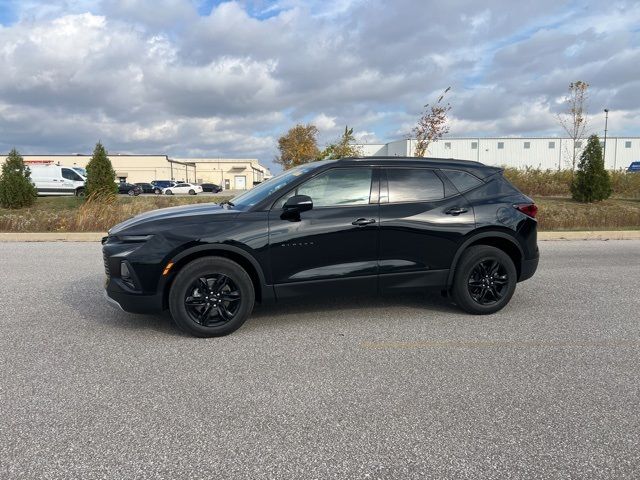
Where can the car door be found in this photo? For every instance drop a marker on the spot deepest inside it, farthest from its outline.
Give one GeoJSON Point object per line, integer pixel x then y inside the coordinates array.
{"type": "Point", "coordinates": [422, 220]}
{"type": "Point", "coordinates": [180, 188]}
{"type": "Point", "coordinates": [334, 245]}
{"type": "Point", "coordinates": [68, 181]}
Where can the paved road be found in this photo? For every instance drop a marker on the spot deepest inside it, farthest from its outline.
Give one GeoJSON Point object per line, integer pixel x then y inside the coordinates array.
{"type": "Point", "coordinates": [403, 387]}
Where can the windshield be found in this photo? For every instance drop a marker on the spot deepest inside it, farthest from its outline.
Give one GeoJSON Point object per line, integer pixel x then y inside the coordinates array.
{"type": "Point", "coordinates": [266, 188]}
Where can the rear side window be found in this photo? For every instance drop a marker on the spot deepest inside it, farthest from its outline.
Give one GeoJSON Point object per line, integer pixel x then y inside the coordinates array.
{"type": "Point", "coordinates": [414, 185]}
{"type": "Point", "coordinates": [463, 181]}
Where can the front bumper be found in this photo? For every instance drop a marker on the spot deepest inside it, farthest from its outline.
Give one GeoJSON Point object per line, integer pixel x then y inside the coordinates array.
{"type": "Point", "coordinates": [132, 302]}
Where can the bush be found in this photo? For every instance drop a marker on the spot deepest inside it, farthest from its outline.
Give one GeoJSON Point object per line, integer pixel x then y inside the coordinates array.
{"type": "Point", "coordinates": [557, 183]}
{"type": "Point", "coordinates": [591, 182]}
{"type": "Point", "coordinates": [16, 189]}
{"type": "Point", "coordinates": [100, 175]}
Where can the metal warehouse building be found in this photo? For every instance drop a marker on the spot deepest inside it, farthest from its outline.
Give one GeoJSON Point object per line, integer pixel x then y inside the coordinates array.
{"type": "Point", "coordinates": [545, 153]}
{"type": "Point", "coordinates": [230, 173]}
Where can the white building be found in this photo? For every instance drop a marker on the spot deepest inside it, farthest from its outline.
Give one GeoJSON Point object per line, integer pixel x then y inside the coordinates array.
{"type": "Point", "coordinates": [544, 153]}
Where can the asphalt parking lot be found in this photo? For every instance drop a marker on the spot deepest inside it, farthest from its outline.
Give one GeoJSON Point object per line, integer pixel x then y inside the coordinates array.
{"type": "Point", "coordinates": [398, 387]}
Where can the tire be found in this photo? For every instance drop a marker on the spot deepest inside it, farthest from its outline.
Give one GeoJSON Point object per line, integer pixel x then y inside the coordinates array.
{"type": "Point", "coordinates": [157, 191]}
{"type": "Point", "coordinates": [131, 193]}
{"type": "Point", "coordinates": [187, 289]}
{"type": "Point", "coordinates": [168, 192]}
{"type": "Point", "coordinates": [477, 288]}
{"type": "Point", "coordinates": [80, 192]}
{"type": "Point", "coordinates": [192, 192]}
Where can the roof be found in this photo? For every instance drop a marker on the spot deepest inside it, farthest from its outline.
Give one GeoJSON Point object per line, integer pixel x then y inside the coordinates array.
{"type": "Point", "coordinates": [477, 168]}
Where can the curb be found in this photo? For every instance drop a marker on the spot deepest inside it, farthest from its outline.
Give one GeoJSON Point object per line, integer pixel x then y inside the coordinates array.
{"type": "Point", "coordinates": [591, 235]}
{"type": "Point", "coordinates": [52, 237]}
{"type": "Point", "coordinates": [97, 236]}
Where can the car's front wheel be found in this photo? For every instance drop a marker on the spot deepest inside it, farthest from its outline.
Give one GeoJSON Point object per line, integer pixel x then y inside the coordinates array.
{"type": "Point", "coordinates": [211, 297]}
{"type": "Point", "coordinates": [131, 193]}
{"type": "Point", "coordinates": [484, 281]}
{"type": "Point", "coordinates": [157, 191]}
{"type": "Point", "coordinates": [192, 192]}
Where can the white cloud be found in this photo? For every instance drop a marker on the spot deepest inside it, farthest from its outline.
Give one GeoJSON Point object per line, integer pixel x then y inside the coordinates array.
{"type": "Point", "coordinates": [154, 76]}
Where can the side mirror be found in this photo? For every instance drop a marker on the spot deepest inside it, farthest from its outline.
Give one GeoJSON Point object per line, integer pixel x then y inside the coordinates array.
{"type": "Point", "coordinates": [298, 204]}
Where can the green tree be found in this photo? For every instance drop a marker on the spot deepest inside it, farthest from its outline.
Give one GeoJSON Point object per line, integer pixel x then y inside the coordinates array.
{"type": "Point", "coordinates": [343, 147]}
{"type": "Point", "coordinates": [100, 175]}
{"type": "Point", "coordinates": [298, 146]}
{"type": "Point", "coordinates": [16, 189]}
{"type": "Point", "coordinates": [591, 182]}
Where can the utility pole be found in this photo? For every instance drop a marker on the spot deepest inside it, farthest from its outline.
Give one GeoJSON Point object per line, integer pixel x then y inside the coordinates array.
{"type": "Point", "coordinates": [604, 150]}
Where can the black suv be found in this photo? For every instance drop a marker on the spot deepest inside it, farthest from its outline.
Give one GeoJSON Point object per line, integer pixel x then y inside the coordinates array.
{"type": "Point", "coordinates": [350, 225]}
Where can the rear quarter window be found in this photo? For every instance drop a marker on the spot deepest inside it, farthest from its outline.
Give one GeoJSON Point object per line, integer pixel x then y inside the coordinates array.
{"type": "Point", "coordinates": [463, 181]}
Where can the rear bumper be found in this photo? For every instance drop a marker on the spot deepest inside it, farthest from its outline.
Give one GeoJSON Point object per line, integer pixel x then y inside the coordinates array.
{"type": "Point", "coordinates": [529, 267]}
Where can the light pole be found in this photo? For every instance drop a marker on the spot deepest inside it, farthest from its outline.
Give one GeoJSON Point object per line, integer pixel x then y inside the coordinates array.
{"type": "Point", "coordinates": [604, 150]}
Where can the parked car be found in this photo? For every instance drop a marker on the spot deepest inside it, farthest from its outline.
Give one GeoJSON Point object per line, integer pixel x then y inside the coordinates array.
{"type": "Point", "coordinates": [160, 185]}
{"type": "Point", "coordinates": [211, 187]}
{"type": "Point", "coordinates": [336, 226]}
{"type": "Point", "coordinates": [129, 188]}
{"type": "Point", "coordinates": [634, 167]}
{"type": "Point", "coordinates": [188, 188]}
{"type": "Point", "coordinates": [146, 187]}
{"type": "Point", "coordinates": [57, 180]}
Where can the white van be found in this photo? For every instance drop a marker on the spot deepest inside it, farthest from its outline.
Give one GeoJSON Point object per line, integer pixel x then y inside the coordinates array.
{"type": "Point", "coordinates": [57, 180]}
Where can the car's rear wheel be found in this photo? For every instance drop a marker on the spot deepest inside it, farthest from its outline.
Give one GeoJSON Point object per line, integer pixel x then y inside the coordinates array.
{"type": "Point", "coordinates": [168, 192]}
{"type": "Point", "coordinates": [157, 191]}
{"type": "Point", "coordinates": [211, 297]}
{"type": "Point", "coordinates": [131, 193]}
{"type": "Point", "coordinates": [485, 280]}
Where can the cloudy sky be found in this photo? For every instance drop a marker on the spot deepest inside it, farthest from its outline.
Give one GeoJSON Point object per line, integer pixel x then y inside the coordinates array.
{"type": "Point", "coordinates": [210, 78]}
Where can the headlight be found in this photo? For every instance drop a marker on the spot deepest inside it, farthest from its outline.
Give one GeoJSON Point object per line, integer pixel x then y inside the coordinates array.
{"type": "Point", "coordinates": [134, 238]}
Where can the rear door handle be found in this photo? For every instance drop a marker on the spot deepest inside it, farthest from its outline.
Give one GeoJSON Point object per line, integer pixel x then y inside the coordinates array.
{"type": "Point", "coordinates": [456, 211]}
{"type": "Point", "coordinates": [362, 221]}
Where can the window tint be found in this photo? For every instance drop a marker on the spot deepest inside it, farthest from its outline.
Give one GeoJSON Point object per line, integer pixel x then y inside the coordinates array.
{"type": "Point", "coordinates": [71, 175]}
{"type": "Point", "coordinates": [336, 187]}
{"type": "Point", "coordinates": [414, 185]}
{"type": "Point", "coordinates": [182, 185]}
{"type": "Point", "coordinates": [463, 181]}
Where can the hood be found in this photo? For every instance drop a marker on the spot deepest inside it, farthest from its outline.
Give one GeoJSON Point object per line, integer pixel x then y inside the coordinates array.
{"type": "Point", "coordinates": [168, 215]}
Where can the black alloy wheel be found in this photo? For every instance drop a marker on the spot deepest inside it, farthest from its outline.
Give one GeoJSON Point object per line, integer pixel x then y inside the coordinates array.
{"type": "Point", "coordinates": [488, 282]}
{"type": "Point", "coordinates": [212, 300]}
{"type": "Point", "coordinates": [211, 297]}
{"type": "Point", "coordinates": [131, 192]}
{"type": "Point", "coordinates": [485, 280]}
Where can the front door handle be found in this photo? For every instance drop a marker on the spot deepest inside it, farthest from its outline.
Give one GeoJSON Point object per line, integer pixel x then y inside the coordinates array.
{"type": "Point", "coordinates": [363, 221]}
{"type": "Point", "coordinates": [456, 211]}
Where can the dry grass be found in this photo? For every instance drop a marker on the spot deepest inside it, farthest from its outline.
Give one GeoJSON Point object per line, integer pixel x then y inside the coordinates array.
{"type": "Point", "coordinates": [566, 214]}
{"type": "Point", "coordinates": [70, 214]}
{"type": "Point", "coordinates": [546, 183]}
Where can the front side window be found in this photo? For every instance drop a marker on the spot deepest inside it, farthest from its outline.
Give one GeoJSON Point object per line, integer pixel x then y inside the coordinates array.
{"type": "Point", "coordinates": [71, 175]}
{"type": "Point", "coordinates": [336, 187]}
{"type": "Point", "coordinates": [414, 185]}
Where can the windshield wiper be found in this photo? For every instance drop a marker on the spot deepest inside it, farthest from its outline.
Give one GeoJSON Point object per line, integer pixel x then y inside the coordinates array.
{"type": "Point", "coordinates": [228, 202]}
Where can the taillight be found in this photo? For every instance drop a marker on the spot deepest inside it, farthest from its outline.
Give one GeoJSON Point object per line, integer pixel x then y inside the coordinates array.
{"type": "Point", "coordinates": [529, 209]}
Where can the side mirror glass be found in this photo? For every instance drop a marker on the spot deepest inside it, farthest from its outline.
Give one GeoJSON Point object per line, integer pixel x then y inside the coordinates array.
{"type": "Point", "coordinates": [298, 204]}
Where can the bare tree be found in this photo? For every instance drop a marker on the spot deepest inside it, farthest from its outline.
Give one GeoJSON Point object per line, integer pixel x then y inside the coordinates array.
{"type": "Point", "coordinates": [574, 120]}
{"type": "Point", "coordinates": [432, 124]}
